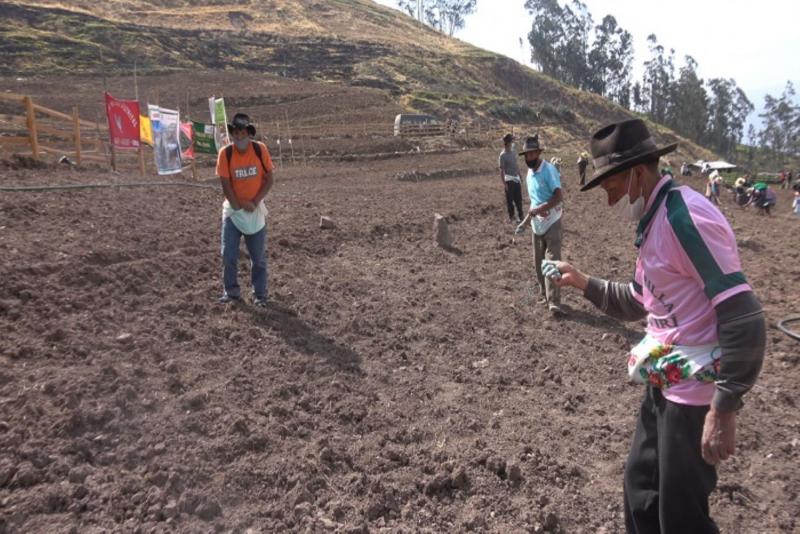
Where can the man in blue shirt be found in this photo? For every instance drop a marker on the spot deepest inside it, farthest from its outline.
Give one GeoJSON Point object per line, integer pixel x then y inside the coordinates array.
{"type": "Point", "coordinates": [544, 189]}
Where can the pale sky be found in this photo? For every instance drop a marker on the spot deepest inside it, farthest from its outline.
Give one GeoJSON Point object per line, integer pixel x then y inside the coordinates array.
{"type": "Point", "coordinates": [755, 43]}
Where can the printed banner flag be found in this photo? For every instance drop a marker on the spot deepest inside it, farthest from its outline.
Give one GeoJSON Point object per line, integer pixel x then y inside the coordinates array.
{"type": "Point", "coordinates": [145, 130]}
{"type": "Point", "coordinates": [166, 139]}
{"type": "Point", "coordinates": [204, 138]}
{"type": "Point", "coordinates": [123, 123]}
{"type": "Point", "coordinates": [216, 107]}
{"type": "Point", "coordinates": [187, 148]}
{"type": "Point", "coordinates": [219, 118]}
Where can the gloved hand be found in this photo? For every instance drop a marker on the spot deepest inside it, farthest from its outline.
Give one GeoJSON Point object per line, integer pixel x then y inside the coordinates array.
{"type": "Point", "coordinates": [549, 270]}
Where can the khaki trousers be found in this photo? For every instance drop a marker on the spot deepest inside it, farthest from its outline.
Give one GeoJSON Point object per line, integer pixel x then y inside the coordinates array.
{"type": "Point", "coordinates": [548, 246]}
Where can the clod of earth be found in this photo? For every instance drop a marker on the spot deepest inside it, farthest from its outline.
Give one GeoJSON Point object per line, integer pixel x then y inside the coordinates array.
{"type": "Point", "coordinates": [27, 476]}
{"type": "Point", "coordinates": [496, 465]}
{"type": "Point", "coordinates": [125, 339]}
{"type": "Point", "coordinates": [441, 231]}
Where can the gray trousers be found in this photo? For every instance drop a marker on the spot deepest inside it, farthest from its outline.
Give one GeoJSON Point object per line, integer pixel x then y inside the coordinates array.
{"type": "Point", "coordinates": [548, 246]}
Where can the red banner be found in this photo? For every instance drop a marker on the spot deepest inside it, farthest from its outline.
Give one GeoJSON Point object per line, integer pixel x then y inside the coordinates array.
{"type": "Point", "coordinates": [123, 123]}
{"type": "Point", "coordinates": [187, 140]}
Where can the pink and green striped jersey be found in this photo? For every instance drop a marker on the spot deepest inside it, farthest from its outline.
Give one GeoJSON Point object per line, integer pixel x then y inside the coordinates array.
{"type": "Point", "coordinates": [688, 263]}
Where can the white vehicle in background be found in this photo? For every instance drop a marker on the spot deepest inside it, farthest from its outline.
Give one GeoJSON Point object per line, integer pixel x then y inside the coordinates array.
{"type": "Point", "coordinates": [412, 125]}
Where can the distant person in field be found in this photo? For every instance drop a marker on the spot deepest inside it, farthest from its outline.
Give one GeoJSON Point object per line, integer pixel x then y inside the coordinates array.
{"type": "Point", "coordinates": [740, 189]}
{"type": "Point", "coordinates": [763, 198]}
{"type": "Point", "coordinates": [712, 187]}
{"type": "Point", "coordinates": [544, 190]}
{"type": "Point", "coordinates": [685, 169]}
{"type": "Point", "coordinates": [511, 179]}
{"type": "Point", "coordinates": [796, 204]}
{"type": "Point", "coordinates": [716, 186]}
{"type": "Point", "coordinates": [704, 340]}
{"type": "Point", "coordinates": [244, 169]}
{"type": "Point", "coordinates": [583, 162]}
{"type": "Point", "coordinates": [786, 179]}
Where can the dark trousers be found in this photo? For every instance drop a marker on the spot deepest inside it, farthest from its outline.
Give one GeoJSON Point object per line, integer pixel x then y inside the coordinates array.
{"type": "Point", "coordinates": [514, 198]}
{"type": "Point", "coordinates": [667, 482]}
{"type": "Point", "coordinates": [582, 171]}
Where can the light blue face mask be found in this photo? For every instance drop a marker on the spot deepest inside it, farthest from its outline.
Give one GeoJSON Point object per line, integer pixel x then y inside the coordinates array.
{"type": "Point", "coordinates": [241, 144]}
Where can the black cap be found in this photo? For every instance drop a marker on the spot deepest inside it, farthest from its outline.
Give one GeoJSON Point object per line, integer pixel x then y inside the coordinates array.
{"type": "Point", "coordinates": [508, 138]}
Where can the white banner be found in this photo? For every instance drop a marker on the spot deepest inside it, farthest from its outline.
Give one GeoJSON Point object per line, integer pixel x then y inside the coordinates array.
{"type": "Point", "coordinates": [166, 139]}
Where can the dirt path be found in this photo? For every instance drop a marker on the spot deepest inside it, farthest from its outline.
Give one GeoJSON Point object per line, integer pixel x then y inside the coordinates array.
{"type": "Point", "coordinates": [391, 385]}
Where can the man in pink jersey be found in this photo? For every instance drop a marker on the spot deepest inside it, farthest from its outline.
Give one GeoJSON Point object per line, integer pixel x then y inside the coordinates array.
{"type": "Point", "coordinates": [705, 334]}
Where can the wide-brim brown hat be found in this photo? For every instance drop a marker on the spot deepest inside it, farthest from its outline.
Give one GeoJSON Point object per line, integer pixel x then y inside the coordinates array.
{"type": "Point", "coordinates": [620, 146]}
{"type": "Point", "coordinates": [531, 144]}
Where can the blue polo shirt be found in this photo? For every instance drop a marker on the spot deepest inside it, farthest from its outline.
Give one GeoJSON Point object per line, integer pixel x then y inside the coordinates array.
{"type": "Point", "coordinates": [543, 182]}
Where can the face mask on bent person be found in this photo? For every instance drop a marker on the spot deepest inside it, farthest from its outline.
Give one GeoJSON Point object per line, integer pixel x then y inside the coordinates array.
{"type": "Point", "coordinates": [631, 211]}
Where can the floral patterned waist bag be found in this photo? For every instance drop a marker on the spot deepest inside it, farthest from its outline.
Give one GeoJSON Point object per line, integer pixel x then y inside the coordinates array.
{"type": "Point", "coordinates": [663, 366]}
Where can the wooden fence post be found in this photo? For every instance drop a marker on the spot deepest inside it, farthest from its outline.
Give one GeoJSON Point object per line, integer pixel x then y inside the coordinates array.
{"type": "Point", "coordinates": [76, 122]}
{"type": "Point", "coordinates": [141, 158]}
{"type": "Point", "coordinates": [100, 142]}
{"type": "Point", "coordinates": [31, 123]}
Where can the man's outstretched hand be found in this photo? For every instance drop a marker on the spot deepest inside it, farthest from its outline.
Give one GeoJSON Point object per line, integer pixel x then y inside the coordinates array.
{"type": "Point", "coordinates": [564, 274]}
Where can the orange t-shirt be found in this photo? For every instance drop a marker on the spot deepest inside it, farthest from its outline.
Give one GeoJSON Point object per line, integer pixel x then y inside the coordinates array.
{"type": "Point", "coordinates": [247, 171]}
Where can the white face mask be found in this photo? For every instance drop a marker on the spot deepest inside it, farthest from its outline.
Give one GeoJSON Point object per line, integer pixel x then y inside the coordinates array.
{"type": "Point", "coordinates": [630, 211]}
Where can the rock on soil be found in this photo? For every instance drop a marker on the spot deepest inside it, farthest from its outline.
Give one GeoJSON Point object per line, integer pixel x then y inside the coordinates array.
{"type": "Point", "coordinates": [441, 232]}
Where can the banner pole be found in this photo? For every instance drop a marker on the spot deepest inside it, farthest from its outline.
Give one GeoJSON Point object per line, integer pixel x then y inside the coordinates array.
{"type": "Point", "coordinates": [31, 123]}
{"type": "Point", "coordinates": [135, 82]}
{"type": "Point", "coordinates": [141, 158]}
{"type": "Point", "coordinates": [194, 148]}
{"type": "Point", "coordinates": [76, 134]}
{"type": "Point", "coordinates": [100, 138]}
{"type": "Point", "coordinates": [113, 160]}
{"type": "Point", "coordinates": [136, 93]}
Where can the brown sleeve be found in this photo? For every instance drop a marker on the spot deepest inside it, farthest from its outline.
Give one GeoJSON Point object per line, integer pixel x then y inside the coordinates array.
{"type": "Point", "coordinates": [614, 299]}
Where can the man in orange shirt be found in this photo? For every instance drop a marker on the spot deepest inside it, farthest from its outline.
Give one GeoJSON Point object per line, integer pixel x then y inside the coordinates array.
{"type": "Point", "coordinates": [244, 169]}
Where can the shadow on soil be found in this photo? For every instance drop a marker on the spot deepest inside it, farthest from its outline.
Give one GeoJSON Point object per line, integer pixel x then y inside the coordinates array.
{"type": "Point", "coordinates": [300, 336]}
{"type": "Point", "coordinates": [612, 325]}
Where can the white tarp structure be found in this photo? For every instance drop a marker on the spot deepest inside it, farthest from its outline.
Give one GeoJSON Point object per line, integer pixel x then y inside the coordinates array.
{"type": "Point", "coordinates": [707, 166]}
